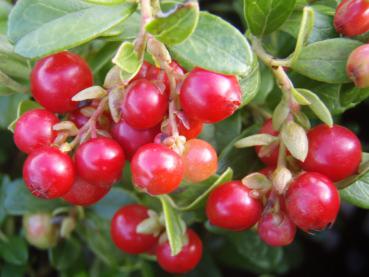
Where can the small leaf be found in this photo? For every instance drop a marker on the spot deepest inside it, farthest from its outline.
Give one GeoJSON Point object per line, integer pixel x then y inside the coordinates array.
{"type": "Point", "coordinates": [90, 93]}
{"type": "Point", "coordinates": [14, 250]}
{"type": "Point", "coordinates": [280, 114]}
{"type": "Point", "coordinates": [257, 181]}
{"type": "Point", "coordinates": [250, 84]}
{"type": "Point", "coordinates": [295, 139]}
{"type": "Point", "coordinates": [302, 119]}
{"type": "Point", "coordinates": [64, 254]}
{"type": "Point", "coordinates": [258, 139]}
{"type": "Point", "coordinates": [24, 106]}
{"type": "Point", "coordinates": [174, 227]}
{"type": "Point", "coordinates": [127, 60]}
{"type": "Point", "coordinates": [115, 100]}
{"type": "Point", "coordinates": [300, 98]}
{"type": "Point", "coordinates": [317, 106]}
{"type": "Point", "coordinates": [8, 82]}
{"type": "Point", "coordinates": [177, 26]}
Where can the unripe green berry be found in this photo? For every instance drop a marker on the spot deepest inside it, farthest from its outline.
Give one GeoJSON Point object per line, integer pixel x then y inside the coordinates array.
{"type": "Point", "coordinates": [358, 66]}
{"type": "Point", "coordinates": [40, 231]}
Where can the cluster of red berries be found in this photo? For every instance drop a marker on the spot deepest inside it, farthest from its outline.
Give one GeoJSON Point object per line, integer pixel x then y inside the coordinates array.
{"type": "Point", "coordinates": [311, 201]}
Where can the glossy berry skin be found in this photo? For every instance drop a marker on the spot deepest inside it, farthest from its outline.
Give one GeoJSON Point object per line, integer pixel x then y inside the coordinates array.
{"type": "Point", "coordinates": [334, 152]}
{"type": "Point", "coordinates": [123, 230]}
{"type": "Point", "coordinates": [48, 173]}
{"type": "Point", "coordinates": [357, 67]}
{"type": "Point", "coordinates": [276, 229]}
{"type": "Point", "coordinates": [230, 206]}
{"type": "Point", "coordinates": [144, 105]}
{"type": "Point", "coordinates": [208, 96]}
{"type": "Point", "coordinates": [156, 169]}
{"type": "Point", "coordinates": [312, 202]}
{"type": "Point", "coordinates": [82, 193]}
{"type": "Point", "coordinates": [351, 18]}
{"type": "Point", "coordinates": [100, 161]}
{"type": "Point", "coordinates": [131, 138]}
{"type": "Point", "coordinates": [194, 128]}
{"type": "Point", "coordinates": [34, 130]}
{"type": "Point", "coordinates": [184, 261]}
{"type": "Point", "coordinates": [55, 79]}
{"type": "Point", "coordinates": [200, 160]}
{"type": "Point", "coordinates": [271, 158]}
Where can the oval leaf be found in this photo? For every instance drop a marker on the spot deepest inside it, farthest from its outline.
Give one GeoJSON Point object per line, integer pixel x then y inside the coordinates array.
{"type": "Point", "coordinates": [127, 60]}
{"type": "Point", "coordinates": [280, 114]}
{"type": "Point", "coordinates": [258, 139]}
{"type": "Point", "coordinates": [295, 139]}
{"type": "Point", "coordinates": [14, 250]}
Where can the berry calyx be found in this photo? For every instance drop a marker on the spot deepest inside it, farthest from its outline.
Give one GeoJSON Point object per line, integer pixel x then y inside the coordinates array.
{"type": "Point", "coordinates": [208, 96]}
{"type": "Point", "coordinates": [334, 152]}
{"type": "Point", "coordinates": [48, 173]}
{"type": "Point", "coordinates": [276, 229]}
{"type": "Point", "coordinates": [357, 67]}
{"type": "Point", "coordinates": [144, 106]}
{"type": "Point", "coordinates": [55, 79]}
{"type": "Point", "coordinates": [131, 138]}
{"type": "Point", "coordinates": [351, 18]}
{"type": "Point", "coordinates": [200, 160]}
{"type": "Point", "coordinates": [124, 233]}
{"type": "Point", "coordinates": [230, 206]}
{"type": "Point", "coordinates": [82, 193]}
{"type": "Point", "coordinates": [184, 261]}
{"type": "Point", "coordinates": [100, 161]}
{"type": "Point", "coordinates": [34, 130]}
{"type": "Point", "coordinates": [312, 202]}
{"type": "Point", "coordinates": [156, 169]}
{"type": "Point", "coordinates": [269, 157]}
{"type": "Point", "coordinates": [39, 230]}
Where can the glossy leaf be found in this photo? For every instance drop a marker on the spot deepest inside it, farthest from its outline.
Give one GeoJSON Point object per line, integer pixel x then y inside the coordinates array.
{"type": "Point", "coordinates": [23, 106]}
{"type": "Point", "coordinates": [106, 2]}
{"type": "Point", "coordinates": [127, 60]}
{"type": "Point", "coordinates": [295, 139]}
{"type": "Point", "coordinates": [65, 254]}
{"type": "Point", "coordinates": [250, 84]}
{"type": "Point", "coordinates": [14, 250]}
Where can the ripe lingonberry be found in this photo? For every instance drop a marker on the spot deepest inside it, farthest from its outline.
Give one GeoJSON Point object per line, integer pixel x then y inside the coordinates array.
{"type": "Point", "coordinates": [83, 193]}
{"type": "Point", "coordinates": [184, 261]}
{"type": "Point", "coordinates": [271, 157]}
{"type": "Point", "coordinates": [131, 138]}
{"type": "Point", "coordinates": [312, 202]}
{"type": "Point", "coordinates": [100, 161]}
{"type": "Point", "coordinates": [208, 96]}
{"type": "Point", "coordinates": [357, 66]}
{"type": "Point", "coordinates": [104, 121]}
{"type": "Point", "coordinates": [39, 230]}
{"type": "Point", "coordinates": [351, 18]}
{"type": "Point", "coordinates": [34, 130]}
{"type": "Point", "coordinates": [124, 230]}
{"type": "Point", "coordinates": [230, 206]}
{"type": "Point", "coordinates": [199, 159]}
{"type": "Point", "coordinates": [193, 130]}
{"type": "Point", "coordinates": [57, 78]}
{"type": "Point", "coordinates": [276, 229]}
{"type": "Point", "coordinates": [156, 169]}
{"type": "Point", "coordinates": [48, 173]}
{"type": "Point", "coordinates": [334, 152]}
{"type": "Point", "coordinates": [144, 106]}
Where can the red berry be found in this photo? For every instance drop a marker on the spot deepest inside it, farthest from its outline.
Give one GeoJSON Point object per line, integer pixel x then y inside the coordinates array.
{"type": "Point", "coordinates": [100, 161]}
{"type": "Point", "coordinates": [230, 206]}
{"type": "Point", "coordinates": [156, 169]}
{"type": "Point", "coordinates": [144, 105]}
{"type": "Point", "coordinates": [34, 130]}
{"type": "Point", "coordinates": [104, 121]}
{"type": "Point", "coordinates": [124, 230]}
{"type": "Point", "coordinates": [335, 152]}
{"type": "Point", "coordinates": [208, 96]}
{"type": "Point", "coordinates": [184, 261]}
{"type": "Point", "coordinates": [131, 138]}
{"type": "Point", "coordinates": [270, 158]}
{"type": "Point", "coordinates": [200, 160]}
{"type": "Point", "coordinates": [193, 130]}
{"type": "Point", "coordinates": [312, 201]}
{"type": "Point", "coordinates": [57, 78]}
{"type": "Point", "coordinates": [83, 193]}
{"type": "Point", "coordinates": [48, 173]}
{"type": "Point", "coordinates": [357, 66]}
{"type": "Point", "coordinates": [267, 171]}
{"type": "Point", "coordinates": [351, 18]}
{"type": "Point", "coordinates": [276, 229]}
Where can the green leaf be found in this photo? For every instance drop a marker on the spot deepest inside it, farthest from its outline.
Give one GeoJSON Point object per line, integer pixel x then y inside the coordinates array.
{"type": "Point", "coordinates": [60, 33]}
{"type": "Point", "coordinates": [11, 84]}
{"type": "Point", "coordinates": [174, 226]}
{"type": "Point", "coordinates": [114, 200]}
{"type": "Point", "coordinates": [177, 26]}
{"type": "Point", "coordinates": [9, 270]}
{"type": "Point", "coordinates": [250, 85]}
{"type": "Point", "coordinates": [226, 130]}
{"type": "Point", "coordinates": [295, 139]}
{"type": "Point", "coordinates": [106, 2]}
{"type": "Point", "coordinates": [193, 196]}
{"type": "Point", "coordinates": [65, 254]}
{"type": "Point", "coordinates": [127, 60]}
{"type": "Point", "coordinates": [265, 16]}
{"type": "Point", "coordinates": [24, 106]}
{"type": "Point", "coordinates": [19, 200]}
{"type": "Point", "coordinates": [317, 106]}
{"type": "Point", "coordinates": [326, 60]}
{"type": "Point", "coordinates": [8, 107]}
{"type": "Point", "coordinates": [14, 250]}
{"type": "Point", "coordinates": [215, 45]}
